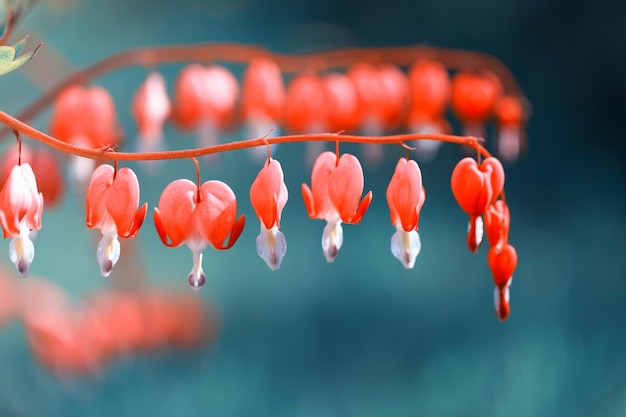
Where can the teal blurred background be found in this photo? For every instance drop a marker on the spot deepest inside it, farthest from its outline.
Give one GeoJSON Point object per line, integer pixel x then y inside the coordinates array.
{"type": "Point", "coordinates": [363, 337]}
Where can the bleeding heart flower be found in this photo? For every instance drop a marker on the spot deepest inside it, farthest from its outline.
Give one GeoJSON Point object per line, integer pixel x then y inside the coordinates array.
{"type": "Point", "coordinates": [268, 195]}
{"type": "Point", "coordinates": [501, 300]}
{"type": "Point", "coordinates": [383, 94]}
{"type": "Point", "coordinates": [430, 87]}
{"type": "Point", "coordinates": [342, 102]}
{"type": "Point", "coordinates": [112, 201]}
{"type": "Point", "coordinates": [474, 96]}
{"type": "Point", "coordinates": [406, 196]}
{"type": "Point", "coordinates": [502, 262]}
{"type": "Point", "coordinates": [262, 100]}
{"type": "Point", "coordinates": [151, 107]}
{"type": "Point", "coordinates": [21, 205]}
{"type": "Point", "coordinates": [45, 166]}
{"type": "Point", "coordinates": [85, 117]}
{"type": "Point", "coordinates": [263, 91]}
{"type": "Point", "coordinates": [511, 118]}
{"type": "Point", "coordinates": [335, 196]}
{"type": "Point", "coordinates": [205, 100]}
{"type": "Point", "coordinates": [198, 216]}
{"type": "Point", "coordinates": [497, 223]}
{"type": "Point", "coordinates": [475, 188]}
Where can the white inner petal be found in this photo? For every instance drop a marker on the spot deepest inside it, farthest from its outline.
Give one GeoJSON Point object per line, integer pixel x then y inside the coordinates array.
{"type": "Point", "coordinates": [22, 250]}
{"type": "Point", "coordinates": [108, 252]}
{"type": "Point", "coordinates": [271, 246]}
{"type": "Point", "coordinates": [332, 239]}
{"type": "Point", "coordinates": [405, 246]}
{"type": "Point", "coordinates": [196, 277]}
{"type": "Point", "coordinates": [496, 297]}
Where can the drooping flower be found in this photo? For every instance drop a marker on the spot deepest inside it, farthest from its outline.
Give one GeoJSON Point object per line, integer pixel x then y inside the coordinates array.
{"type": "Point", "coordinates": [112, 207]}
{"type": "Point", "coordinates": [405, 196]}
{"type": "Point", "coordinates": [383, 96]}
{"type": "Point", "coordinates": [206, 98]}
{"type": "Point", "coordinates": [475, 187]}
{"type": "Point", "coordinates": [21, 205]}
{"type": "Point", "coordinates": [198, 216]}
{"type": "Point", "coordinates": [502, 261]}
{"type": "Point", "coordinates": [45, 165]}
{"type": "Point", "coordinates": [342, 102]}
{"type": "Point", "coordinates": [335, 196]}
{"type": "Point", "coordinates": [497, 223]}
{"type": "Point", "coordinates": [262, 100]}
{"type": "Point", "coordinates": [502, 257]}
{"type": "Point", "coordinates": [151, 107]}
{"type": "Point", "coordinates": [511, 118]}
{"type": "Point", "coordinates": [430, 94]}
{"type": "Point", "coordinates": [474, 96]}
{"type": "Point", "coordinates": [85, 117]}
{"type": "Point", "coordinates": [268, 196]}
{"type": "Point", "coordinates": [307, 111]}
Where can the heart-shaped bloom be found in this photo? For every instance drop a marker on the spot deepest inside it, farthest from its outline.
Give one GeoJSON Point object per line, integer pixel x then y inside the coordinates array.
{"type": "Point", "coordinates": [45, 165]}
{"type": "Point", "coordinates": [262, 101]}
{"type": "Point", "coordinates": [151, 107]}
{"type": "Point", "coordinates": [262, 93]}
{"type": "Point", "coordinates": [405, 196]}
{"type": "Point", "coordinates": [502, 261]}
{"type": "Point", "coordinates": [335, 196]}
{"type": "Point", "coordinates": [21, 205]}
{"type": "Point", "coordinates": [474, 96]}
{"type": "Point", "coordinates": [511, 118]}
{"type": "Point", "coordinates": [475, 187]}
{"type": "Point", "coordinates": [198, 216]}
{"type": "Point", "coordinates": [383, 98]}
{"type": "Point", "coordinates": [268, 196]}
{"type": "Point", "coordinates": [497, 223]}
{"type": "Point", "coordinates": [430, 94]}
{"type": "Point", "coordinates": [112, 201]}
{"type": "Point", "coordinates": [85, 117]}
{"type": "Point", "coordinates": [206, 99]}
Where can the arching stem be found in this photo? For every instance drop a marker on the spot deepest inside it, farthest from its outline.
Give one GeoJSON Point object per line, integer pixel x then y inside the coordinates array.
{"type": "Point", "coordinates": [107, 153]}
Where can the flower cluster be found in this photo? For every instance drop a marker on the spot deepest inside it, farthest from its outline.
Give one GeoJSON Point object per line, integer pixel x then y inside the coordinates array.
{"type": "Point", "coordinates": [346, 96]}
{"type": "Point", "coordinates": [478, 188]}
{"type": "Point", "coordinates": [205, 214]}
{"type": "Point", "coordinates": [372, 99]}
{"type": "Point", "coordinates": [81, 338]}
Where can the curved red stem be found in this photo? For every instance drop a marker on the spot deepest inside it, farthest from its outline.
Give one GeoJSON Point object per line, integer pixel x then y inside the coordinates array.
{"type": "Point", "coordinates": [108, 153]}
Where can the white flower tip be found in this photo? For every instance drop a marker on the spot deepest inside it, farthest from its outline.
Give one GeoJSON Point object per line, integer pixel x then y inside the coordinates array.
{"type": "Point", "coordinates": [271, 246]}
{"type": "Point", "coordinates": [475, 239]}
{"type": "Point", "coordinates": [196, 279]}
{"type": "Point", "coordinates": [331, 253]}
{"type": "Point", "coordinates": [332, 239]}
{"type": "Point", "coordinates": [405, 246]}
{"type": "Point", "coordinates": [81, 169]}
{"type": "Point", "coordinates": [108, 253]}
{"type": "Point", "coordinates": [509, 143]}
{"type": "Point", "coordinates": [22, 253]}
{"type": "Point", "coordinates": [501, 301]}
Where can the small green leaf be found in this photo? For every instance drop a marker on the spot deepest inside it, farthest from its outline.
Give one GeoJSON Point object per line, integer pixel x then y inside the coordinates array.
{"type": "Point", "coordinates": [8, 62]}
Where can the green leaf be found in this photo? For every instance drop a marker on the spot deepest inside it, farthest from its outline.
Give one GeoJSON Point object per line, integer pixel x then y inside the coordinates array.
{"type": "Point", "coordinates": [8, 62]}
{"type": "Point", "coordinates": [7, 53]}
